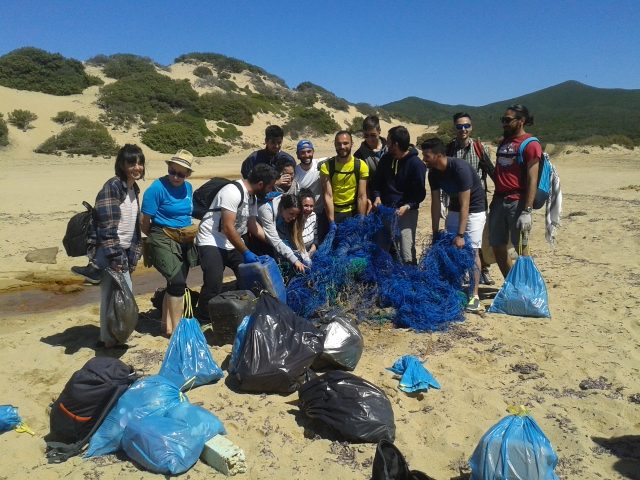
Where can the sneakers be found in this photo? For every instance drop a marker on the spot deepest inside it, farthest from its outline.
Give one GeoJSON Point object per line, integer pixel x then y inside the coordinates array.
{"type": "Point", "coordinates": [91, 273]}
{"type": "Point", "coordinates": [485, 278]}
{"type": "Point", "coordinates": [473, 305]}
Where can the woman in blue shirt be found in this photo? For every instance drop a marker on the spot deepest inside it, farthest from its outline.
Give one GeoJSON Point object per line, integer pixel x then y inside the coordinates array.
{"type": "Point", "coordinates": [166, 220]}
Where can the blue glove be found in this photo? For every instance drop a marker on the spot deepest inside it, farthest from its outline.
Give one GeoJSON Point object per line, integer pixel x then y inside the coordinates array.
{"type": "Point", "coordinates": [332, 227]}
{"type": "Point", "coordinates": [250, 257]}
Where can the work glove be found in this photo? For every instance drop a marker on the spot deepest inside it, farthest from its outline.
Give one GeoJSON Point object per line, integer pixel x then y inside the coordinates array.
{"type": "Point", "coordinates": [250, 257]}
{"type": "Point", "coordinates": [524, 222]}
{"type": "Point", "coordinates": [332, 227]}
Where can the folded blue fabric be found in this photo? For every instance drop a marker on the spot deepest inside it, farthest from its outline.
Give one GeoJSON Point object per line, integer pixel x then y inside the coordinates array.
{"type": "Point", "coordinates": [415, 378]}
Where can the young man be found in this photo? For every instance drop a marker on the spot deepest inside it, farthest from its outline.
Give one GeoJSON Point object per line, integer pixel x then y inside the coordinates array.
{"type": "Point", "coordinates": [270, 154]}
{"type": "Point", "coordinates": [371, 150]}
{"type": "Point", "coordinates": [286, 168]}
{"type": "Point", "coordinates": [516, 184]}
{"type": "Point", "coordinates": [400, 183]}
{"type": "Point", "coordinates": [344, 182]}
{"type": "Point", "coordinates": [471, 150]}
{"type": "Point", "coordinates": [307, 172]}
{"type": "Point", "coordinates": [467, 208]}
{"type": "Point", "coordinates": [220, 241]}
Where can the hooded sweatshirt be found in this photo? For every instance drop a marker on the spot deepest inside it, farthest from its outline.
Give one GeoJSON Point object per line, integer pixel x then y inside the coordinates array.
{"type": "Point", "coordinates": [401, 182]}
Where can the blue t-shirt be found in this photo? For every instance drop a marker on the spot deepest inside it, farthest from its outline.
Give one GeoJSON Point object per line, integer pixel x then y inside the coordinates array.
{"type": "Point", "coordinates": [458, 177]}
{"type": "Point", "coordinates": [168, 206]}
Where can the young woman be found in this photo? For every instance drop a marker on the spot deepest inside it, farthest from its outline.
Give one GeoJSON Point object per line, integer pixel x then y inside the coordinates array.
{"type": "Point", "coordinates": [166, 220]}
{"type": "Point", "coordinates": [117, 239]}
{"type": "Point", "coordinates": [307, 222]}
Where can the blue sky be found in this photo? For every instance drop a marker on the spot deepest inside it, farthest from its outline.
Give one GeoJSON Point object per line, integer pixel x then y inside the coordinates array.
{"type": "Point", "coordinates": [465, 51]}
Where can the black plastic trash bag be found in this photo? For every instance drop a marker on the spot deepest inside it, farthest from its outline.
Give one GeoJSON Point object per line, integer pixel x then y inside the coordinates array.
{"type": "Point", "coordinates": [278, 349]}
{"type": "Point", "coordinates": [354, 407]}
{"type": "Point", "coordinates": [122, 310]}
{"type": "Point", "coordinates": [389, 464]}
{"type": "Point", "coordinates": [343, 344]}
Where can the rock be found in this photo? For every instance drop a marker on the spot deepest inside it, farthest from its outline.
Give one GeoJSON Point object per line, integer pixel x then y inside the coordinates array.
{"type": "Point", "coordinates": [42, 255]}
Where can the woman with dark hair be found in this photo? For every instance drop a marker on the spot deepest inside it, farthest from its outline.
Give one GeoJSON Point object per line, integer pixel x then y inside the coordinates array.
{"type": "Point", "coordinates": [281, 231]}
{"type": "Point", "coordinates": [166, 220]}
{"type": "Point", "coordinates": [116, 237]}
{"type": "Point", "coordinates": [307, 222]}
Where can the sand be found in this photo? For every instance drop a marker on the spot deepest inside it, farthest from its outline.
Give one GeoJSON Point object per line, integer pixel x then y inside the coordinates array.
{"type": "Point", "coordinates": [484, 364]}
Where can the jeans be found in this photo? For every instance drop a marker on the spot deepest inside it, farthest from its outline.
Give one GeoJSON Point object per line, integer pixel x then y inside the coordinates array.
{"type": "Point", "coordinates": [407, 225]}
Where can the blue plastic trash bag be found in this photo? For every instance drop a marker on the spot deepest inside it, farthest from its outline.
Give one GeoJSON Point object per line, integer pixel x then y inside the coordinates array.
{"type": "Point", "coordinates": [238, 344]}
{"type": "Point", "coordinates": [524, 293]}
{"type": "Point", "coordinates": [151, 396]}
{"type": "Point", "coordinates": [201, 422]}
{"type": "Point", "coordinates": [9, 418]}
{"type": "Point", "coordinates": [188, 361]}
{"type": "Point", "coordinates": [162, 445]}
{"type": "Point", "coordinates": [515, 449]}
{"type": "Point", "coordinates": [415, 377]}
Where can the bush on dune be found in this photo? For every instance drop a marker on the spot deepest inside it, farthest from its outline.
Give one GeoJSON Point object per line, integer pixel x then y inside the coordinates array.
{"type": "Point", "coordinates": [83, 138]}
{"type": "Point", "coordinates": [310, 121]}
{"type": "Point", "coordinates": [40, 71]}
{"type": "Point", "coordinates": [4, 132]}
{"type": "Point", "coordinates": [120, 65]}
{"type": "Point", "coordinates": [173, 132]}
{"type": "Point", "coordinates": [64, 117]}
{"type": "Point", "coordinates": [22, 119]}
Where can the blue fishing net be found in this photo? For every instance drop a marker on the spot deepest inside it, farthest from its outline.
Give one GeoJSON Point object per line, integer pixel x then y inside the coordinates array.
{"type": "Point", "coordinates": [351, 274]}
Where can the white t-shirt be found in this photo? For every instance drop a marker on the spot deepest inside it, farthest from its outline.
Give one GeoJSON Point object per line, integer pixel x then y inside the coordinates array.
{"type": "Point", "coordinates": [311, 179]}
{"type": "Point", "coordinates": [228, 198]}
{"type": "Point", "coordinates": [128, 217]}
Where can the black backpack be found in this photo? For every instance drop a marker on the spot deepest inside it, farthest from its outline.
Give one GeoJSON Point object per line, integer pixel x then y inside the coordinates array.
{"type": "Point", "coordinates": [86, 400]}
{"type": "Point", "coordinates": [77, 234]}
{"type": "Point", "coordinates": [389, 464]}
{"type": "Point", "coordinates": [204, 195]}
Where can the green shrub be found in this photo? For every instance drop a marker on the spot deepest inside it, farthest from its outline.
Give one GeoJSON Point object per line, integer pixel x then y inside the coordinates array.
{"type": "Point", "coordinates": [84, 138]}
{"type": "Point", "coordinates": [64, 117]}
{"type": "Point", "coordinates": [22, 119]}
{"type": "Point", "coordinates": [202, 71]}
{"type": "Point", "coordinates": [366, 109]}
{"type": "Point", "coordinates": [143, 96]}
{"type": "Point", "coordinates": [355, 125]}
{"type": "Point", "coordinates": [39, 71]}
{"type": "Point", "coordinates": [4, 132]}
{"type": "Point", "coordinates": [603, 141]}
{"type": "Point", "coordinates": [173, 132]}
{"type": "Point", "coordinates": [310, 121]}
{"type": "Point", "coordinates": [120, 65]}
{"type": "Point", "coordinates": [327, 97]}
{"type": "Point", "coordinates": [236, 109]}
{"type": "Point", "coordinates": [228, 131]}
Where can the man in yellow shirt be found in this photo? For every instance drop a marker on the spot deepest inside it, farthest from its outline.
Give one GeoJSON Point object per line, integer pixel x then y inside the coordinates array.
{"type": "Point", "coordinates": [344, 182]}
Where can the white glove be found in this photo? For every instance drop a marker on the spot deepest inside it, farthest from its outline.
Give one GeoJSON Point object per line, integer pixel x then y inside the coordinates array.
{"type": "Point", "coordinates": [524, 222]}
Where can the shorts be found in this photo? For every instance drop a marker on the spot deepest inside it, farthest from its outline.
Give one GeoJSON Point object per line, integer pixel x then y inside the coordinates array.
{"type": "Point", "coordinates": [503, 216]}
{"type": "Point", "coordinates": [475, 226]}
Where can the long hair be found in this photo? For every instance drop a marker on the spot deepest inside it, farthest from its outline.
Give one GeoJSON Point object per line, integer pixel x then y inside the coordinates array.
{"type": "Point", "coordinates": [294, 228]}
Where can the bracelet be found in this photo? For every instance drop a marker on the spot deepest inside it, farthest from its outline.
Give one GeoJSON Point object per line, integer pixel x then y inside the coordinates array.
{"type": "Point", "coordinates": [461, 235]}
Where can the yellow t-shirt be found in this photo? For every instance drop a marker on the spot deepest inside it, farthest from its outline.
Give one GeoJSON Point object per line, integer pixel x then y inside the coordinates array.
{"type": "Point", "coordinates": [343, 183]}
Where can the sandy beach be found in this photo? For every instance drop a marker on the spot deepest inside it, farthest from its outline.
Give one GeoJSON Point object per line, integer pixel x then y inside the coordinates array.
{"type": "Point", "coordinates": [484, 364]}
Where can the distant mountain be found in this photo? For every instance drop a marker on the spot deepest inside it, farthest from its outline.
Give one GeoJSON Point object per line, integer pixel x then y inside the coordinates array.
{"type": "Point", "coordinates": [569, 111]}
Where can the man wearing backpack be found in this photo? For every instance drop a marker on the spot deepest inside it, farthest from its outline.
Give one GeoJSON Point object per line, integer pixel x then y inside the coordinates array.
{"type": "Point", "coordinates": [472, 150]}
{"type": "Point", "coordinates": [516, 181]}
{"type": "Point", "coordinates": [371, 150]}
{"type": "Point", "coordinates": [344, 182]}
{"type": "Point", "coordinates": [400, 183]}
{"type": "Point", "coordinates": [270, 154]}
{"type": "Point", "coordinates": [220, 242]}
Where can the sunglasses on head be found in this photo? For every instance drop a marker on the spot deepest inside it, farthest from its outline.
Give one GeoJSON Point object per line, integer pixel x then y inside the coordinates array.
{"type": "Point", "coordinates": [463, 126]}
{"type": "Point", "coordinates": [507, 119]}
{"type": "Point", "coordinates": [175, 173]}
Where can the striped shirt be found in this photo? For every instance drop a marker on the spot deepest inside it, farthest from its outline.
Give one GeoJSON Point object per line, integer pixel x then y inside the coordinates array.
{"type": "Point", "coordinates": [310, 231]}
{"type": "Point", "coordinates": [128, 218]}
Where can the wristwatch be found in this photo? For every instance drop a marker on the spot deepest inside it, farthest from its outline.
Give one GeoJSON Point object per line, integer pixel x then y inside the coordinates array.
{"type": "Point", "coordinates": [528, 209]}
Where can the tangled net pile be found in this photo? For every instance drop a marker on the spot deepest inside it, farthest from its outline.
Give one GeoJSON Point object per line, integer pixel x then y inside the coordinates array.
{"type": "Point", "coordinates": [425, 297]}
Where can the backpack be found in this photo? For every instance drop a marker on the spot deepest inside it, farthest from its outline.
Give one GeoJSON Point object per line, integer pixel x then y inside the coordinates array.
{"type": "Point", "coordinates": [204, 195]}
{"type": "Point", "coordinates": [331, 166]}
{"type": "Point", "coordinates": [544, 174]}
{"type": "Point", "coordinates": [85, 401]}
{"type": "Point", "coordinates": [77, 233]}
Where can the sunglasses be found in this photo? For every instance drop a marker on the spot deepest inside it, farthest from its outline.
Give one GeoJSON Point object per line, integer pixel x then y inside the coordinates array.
{"type": "Point", "coordinates": [463, 126]}
{"type": "Point", "coordinates": [507, 119]}
{"type": "Point", "coordinates": [175, 173]}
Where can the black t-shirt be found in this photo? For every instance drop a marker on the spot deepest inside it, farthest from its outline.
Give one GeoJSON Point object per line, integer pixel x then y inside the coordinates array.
{"type": "Point", "coordinates": [458, 177]}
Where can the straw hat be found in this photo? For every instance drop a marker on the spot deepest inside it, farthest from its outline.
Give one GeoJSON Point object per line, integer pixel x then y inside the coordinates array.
{"type": "Point", "coordinates": [184, 158]}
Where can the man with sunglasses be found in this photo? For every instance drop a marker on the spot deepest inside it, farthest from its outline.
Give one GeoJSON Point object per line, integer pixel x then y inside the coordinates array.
{"type": "Point", "coordinates": [371, 151]}
{"type": "Point", "coordinates": [516, 184]}
{"type": "Point", "coordinates": [472, 150]}
{"type": "Point", "coordinates": [270, 154]}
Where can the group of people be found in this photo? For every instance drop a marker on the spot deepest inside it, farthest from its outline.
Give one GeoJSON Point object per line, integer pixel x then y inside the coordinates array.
{"type": "Point", "coordinates": [284, 208]}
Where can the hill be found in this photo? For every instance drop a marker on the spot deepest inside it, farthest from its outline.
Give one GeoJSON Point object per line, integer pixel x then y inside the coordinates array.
{"type": "Point", "coordinates": [570, 111]}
